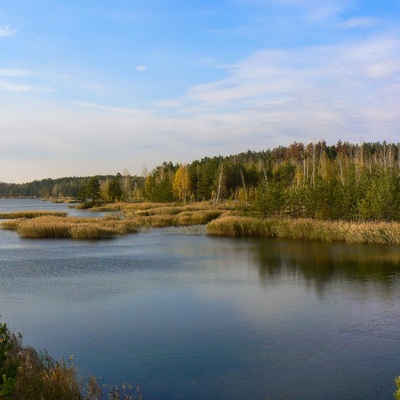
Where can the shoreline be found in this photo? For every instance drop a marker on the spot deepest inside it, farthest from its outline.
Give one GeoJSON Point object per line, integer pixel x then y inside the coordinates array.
{"type": "Point", "coordinates": [379, 232]}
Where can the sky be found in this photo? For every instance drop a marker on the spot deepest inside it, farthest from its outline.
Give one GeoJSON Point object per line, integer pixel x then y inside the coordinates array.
{"type": "Point", "coordinates": [97, 87]}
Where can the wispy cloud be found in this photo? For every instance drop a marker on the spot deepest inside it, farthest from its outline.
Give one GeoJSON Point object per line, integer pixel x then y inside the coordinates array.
{"type": "Point", "coordinates": [119, 110]}
{"type": "Point", "coordinates": [168, 103]}
{"type": "Point", "coordinates": [141, 68]}
{"type": "Point", "coordinates": [314, 10]}
{"type": "Point", "coordinates": [15, 72]}
{"type": "Point", "coordinates": [13, 87]}
{"type": "Point", "coordinates": [358, 22]}
{"type": "Point", "coordinates": [308, 92]}
{"type": "Point", "coordinates": [7, 30]}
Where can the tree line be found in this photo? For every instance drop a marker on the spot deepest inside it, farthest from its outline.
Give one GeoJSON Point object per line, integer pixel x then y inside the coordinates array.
{"type": "Point", "coordinates": [129, 188]}
{"type": "Point", "coordinates": [342, 181]}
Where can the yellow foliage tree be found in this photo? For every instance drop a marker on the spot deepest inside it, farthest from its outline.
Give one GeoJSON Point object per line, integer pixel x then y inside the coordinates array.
{"type": "Point", "coordinates": [181, 185]}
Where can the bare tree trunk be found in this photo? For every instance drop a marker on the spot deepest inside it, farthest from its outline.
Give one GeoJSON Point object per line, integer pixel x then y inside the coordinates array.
{"type": "Point", "coordinates": [219, 184]}
{"type": "Point", "coordinates": [313, 167]}
{"type": "Point", "coordinates": [244, 187]}
{"type": "Point", "coordinates": [384, 155]}
{"type": "Point", "coordinates": [341, 171]}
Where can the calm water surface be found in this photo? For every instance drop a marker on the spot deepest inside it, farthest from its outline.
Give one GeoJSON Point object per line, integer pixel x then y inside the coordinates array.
{"type": "Point", "coordinates": [188, 316]}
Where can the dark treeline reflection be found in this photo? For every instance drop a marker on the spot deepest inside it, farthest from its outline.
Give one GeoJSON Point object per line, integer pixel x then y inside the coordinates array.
{"type": "Point", "coordinates": [324, 263]}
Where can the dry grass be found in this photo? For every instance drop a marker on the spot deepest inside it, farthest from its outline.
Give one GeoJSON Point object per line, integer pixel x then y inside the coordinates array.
{"type": "Point", "coordinates": [136, 215]}
{"type": "Point", "coordinates": [348, 232]}
{"type": "Point", "coordinates": [159, 211]}
{"type": "Point", "coordinates": [10, 224]}
{"type": "Point", "coordinates": [197, 217]}
{"type": "Point", "coordinates": [184, 218]}
{"type": "Point", "coordinates": [31, 214]}
{"type": "Point", "coordinates": [159, 215]}
{"type": "Point", "coordinates": [148, 208]}
{"type": "Point", "coordinates": [121, 206]}
{"type": "Point", "coordinates": [71, 227]}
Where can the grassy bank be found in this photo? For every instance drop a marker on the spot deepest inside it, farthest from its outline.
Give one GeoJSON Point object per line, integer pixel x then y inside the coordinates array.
{"type": "Point", "coordinates": [220, 220]}
{"type": "Point", "coordinates": [31, 214]}
{"type": "Point", "coordinates": [131, 217]}
{"type": "Point", "coordinates": [70, 227]}
{"type": "Point", "coordinates": [329, 231]}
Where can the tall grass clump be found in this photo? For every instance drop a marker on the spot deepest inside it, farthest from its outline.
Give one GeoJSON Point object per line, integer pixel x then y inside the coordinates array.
{"type": "Point", "coordinates": [31, 214]}
{"type": "Point", "coordinates": [159, 211]}
{"type": "Point", "coordinates": [71, 227]}
{"type": "Point", "coordinates": [197, 217]}
{"type": "Point", "coordinates": [45, 227]}
{"type": "Point", "coordinates": [308, 229]}
{"type": "Point", "coordinates": [184, 218]}
{"type": "Point", "coordinates": [92, 232]}
{"type": "Point", "coordinates": [10, 224]}
{"type": "Point", "coordinates": [156, 221]}
{"type": "Point", "coordinates": [238, 226]}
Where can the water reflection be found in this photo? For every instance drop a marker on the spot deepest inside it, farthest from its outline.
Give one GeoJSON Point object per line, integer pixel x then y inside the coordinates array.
{"type": "Point", "coordinates": [324, 263]}
{"type": "Point", "coordinates": [16, 205]}
{"type": "Point", "coordinates": [191, 316]}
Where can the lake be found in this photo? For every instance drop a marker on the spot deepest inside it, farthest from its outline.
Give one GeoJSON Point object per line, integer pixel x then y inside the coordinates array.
{"type": "Point", "coordinates": [187, 316]}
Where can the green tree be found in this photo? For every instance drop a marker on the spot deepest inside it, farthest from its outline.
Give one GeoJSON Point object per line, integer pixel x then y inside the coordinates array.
{"type": "Point", "coordinates": [269, 199]}
{"type": "Point", "coordinates": [382, 200]}
{"type": "Point", "coordinates": [93, 191]}
{"type": "Point", "coordinates": [114, 190]}
{"type": "Point", "coordinates": [82, 193]}
{"type": "Point", "coordinates": [158, 185]}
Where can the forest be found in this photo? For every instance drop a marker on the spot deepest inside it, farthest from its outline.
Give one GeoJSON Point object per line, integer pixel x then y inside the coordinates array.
{"type": "Point", "coordinates": [344, 181]}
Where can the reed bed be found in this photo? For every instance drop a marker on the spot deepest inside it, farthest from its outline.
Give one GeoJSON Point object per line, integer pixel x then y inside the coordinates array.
{"type": "Point", "coordinates": [50, 226]}
{"type": "Point", "coordinates": [156, 221]}
{"type": "Point", "coordinates": [149, 208]}
{"type": "Point", "coordinates": [197, 217]}
{"type": "Point", "coordinates": [145, 205]}
{"type": "Point", "coordinates": [32, 214]}
{"type": "Point", "coordinates": [10, 224]}
{"type": "Point", "coordinates": [72, 227]}
{"type": "Point", "coordinates": [185, 218]}
{"type": "Point", "coordinates": [159, 211]}
{"type": "Point", "coordinates": [308, 229]}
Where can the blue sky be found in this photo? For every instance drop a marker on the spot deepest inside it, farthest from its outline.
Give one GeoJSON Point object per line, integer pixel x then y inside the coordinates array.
{"type": "Point", "coordinates": [94, 87]}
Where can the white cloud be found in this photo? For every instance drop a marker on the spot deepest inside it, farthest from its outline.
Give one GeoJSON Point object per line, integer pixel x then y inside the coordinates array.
{"type": "Point", "coordinates": [15, 72]}
{"type": "Point", "coordinates": [141, 68]}
{"type": "Point", "coordinates": [314, 10]}
{"type": "Point", "coordinates": [7, 30]}
{"type": "Point", "coordinates": [269, 98]}
{"type": "Point", "coordinates": [169, 103]}
{"type": "Point", "coordinates": [119, 110]}
{"type": "Point", "coordinates": [297, 94]}
{"type": "Point", "coordinates": [12, 87]}
{"type": "Point", "coordinates": [358, 22]}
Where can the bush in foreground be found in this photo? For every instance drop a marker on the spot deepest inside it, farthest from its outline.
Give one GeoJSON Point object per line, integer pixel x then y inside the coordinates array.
{"type": "Point", "coordinates": [28, 374]}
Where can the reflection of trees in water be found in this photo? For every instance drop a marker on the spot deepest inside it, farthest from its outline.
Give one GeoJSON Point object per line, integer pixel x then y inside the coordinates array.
{"type": "Point", "coordinates": [320, 264]}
